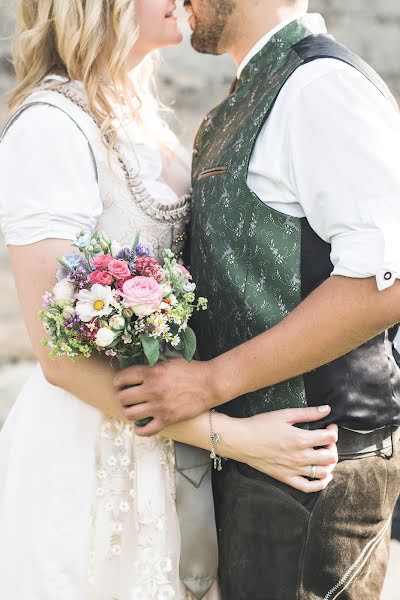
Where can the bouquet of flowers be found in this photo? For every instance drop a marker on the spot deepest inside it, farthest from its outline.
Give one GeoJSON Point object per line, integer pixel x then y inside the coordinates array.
{"type": "Point", "coordinates": [120, 302]}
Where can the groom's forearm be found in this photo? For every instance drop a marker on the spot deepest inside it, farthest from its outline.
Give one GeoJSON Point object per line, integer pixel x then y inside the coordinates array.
{"type": "Point", "coordinates": [337, 317]}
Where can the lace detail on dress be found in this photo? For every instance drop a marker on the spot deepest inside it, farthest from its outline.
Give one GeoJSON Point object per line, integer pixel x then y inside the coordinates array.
{"type": "Point", "coordinates": [133, 519]}
{"type": "Point", "coordinates": [115, 474]}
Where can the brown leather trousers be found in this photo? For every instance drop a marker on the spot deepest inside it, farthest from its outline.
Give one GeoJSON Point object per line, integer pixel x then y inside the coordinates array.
{"type": "Point", "coordinates": [277, 543]}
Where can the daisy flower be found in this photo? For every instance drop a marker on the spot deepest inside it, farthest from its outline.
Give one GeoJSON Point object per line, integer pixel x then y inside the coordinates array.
{"type": "Point", "coordinates": [95, 302]}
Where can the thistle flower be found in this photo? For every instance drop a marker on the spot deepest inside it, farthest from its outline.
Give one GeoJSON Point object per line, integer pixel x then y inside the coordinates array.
{"type": "Point", "coordinates": [142, 250]}
{"type": "Point", "coordinates": [125, 254]}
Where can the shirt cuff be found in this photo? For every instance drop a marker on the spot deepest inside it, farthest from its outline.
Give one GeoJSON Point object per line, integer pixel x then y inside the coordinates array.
{"type": "Point", "coordinates": [367, 253]}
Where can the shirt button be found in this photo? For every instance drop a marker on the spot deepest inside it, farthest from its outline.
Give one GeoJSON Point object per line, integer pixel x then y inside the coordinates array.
{"type": "Point", "coordinates": [387, 276]}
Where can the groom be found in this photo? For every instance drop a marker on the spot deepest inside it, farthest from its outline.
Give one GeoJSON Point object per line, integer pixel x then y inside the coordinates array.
{"type": "Point", "coordinates": [296, 213]}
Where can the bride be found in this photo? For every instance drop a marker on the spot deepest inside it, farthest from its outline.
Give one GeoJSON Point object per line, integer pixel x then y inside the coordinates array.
{"type": "Point", "coordinates": [87, 508]}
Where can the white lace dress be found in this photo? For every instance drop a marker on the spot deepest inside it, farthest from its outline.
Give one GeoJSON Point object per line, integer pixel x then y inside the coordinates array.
{"type": "Point", "coordinates": [87, 509]}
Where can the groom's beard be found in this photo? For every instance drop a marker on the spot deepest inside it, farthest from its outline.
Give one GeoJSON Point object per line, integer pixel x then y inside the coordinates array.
{"type": "Point", "coordinates": [210, 25]}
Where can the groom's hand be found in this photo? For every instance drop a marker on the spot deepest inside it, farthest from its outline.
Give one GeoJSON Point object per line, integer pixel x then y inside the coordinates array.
{"type": "Point", "coordinates": [171, 392]}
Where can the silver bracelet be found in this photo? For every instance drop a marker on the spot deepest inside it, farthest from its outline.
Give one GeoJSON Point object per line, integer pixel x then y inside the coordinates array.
{"type": "Point", "coordinates": [214, 440]}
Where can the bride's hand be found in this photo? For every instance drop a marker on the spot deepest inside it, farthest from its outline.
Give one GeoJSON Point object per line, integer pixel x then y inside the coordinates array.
{"type": "Point", "coordinates": [272, 444]}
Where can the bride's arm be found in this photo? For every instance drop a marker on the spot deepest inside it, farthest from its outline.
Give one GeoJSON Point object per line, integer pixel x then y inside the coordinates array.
{"type": "Point", "coordinates": [91, 380]}
{"type": "Point", "coordinates": [269, 443]}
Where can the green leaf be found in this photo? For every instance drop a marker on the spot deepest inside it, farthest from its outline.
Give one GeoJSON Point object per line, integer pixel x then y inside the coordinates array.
{"type": "Point", "coordinates": [188, 338]}
{"type": "Point", "coordinates": [151, 348]}
{"type": "Point", "coordinates": [136, 240]}
{"type": "Point", "coordinates": [64, 264]}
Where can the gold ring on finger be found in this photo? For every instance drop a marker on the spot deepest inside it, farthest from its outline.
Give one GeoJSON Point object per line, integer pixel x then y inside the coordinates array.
{"type": "Point", "coordinates": [313, 471]}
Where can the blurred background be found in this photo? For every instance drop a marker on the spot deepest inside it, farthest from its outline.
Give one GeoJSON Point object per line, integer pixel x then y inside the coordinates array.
{"type": "Point", "coordinates": [192, 84]}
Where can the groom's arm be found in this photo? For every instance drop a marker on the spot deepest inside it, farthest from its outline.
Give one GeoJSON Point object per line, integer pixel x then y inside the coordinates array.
{"type": "Point", "coordinates": [337, 317]}
{"type": "Point", "coordinates": [342, 142]}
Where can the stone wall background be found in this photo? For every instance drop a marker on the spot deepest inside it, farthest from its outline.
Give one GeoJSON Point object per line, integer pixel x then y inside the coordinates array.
{"type": "Point", "coordinates": [194, 84]}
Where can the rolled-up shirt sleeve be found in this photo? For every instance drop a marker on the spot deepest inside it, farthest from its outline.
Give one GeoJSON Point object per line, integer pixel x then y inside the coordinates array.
{"type": "Point", "coordinates": [48, 179]}
{"type": "Point", "coordinates": [344, 142]}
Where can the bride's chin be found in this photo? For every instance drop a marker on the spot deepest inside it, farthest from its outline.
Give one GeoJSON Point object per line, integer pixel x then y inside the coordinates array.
{"type": "Point", "coordinates": [176, 40]}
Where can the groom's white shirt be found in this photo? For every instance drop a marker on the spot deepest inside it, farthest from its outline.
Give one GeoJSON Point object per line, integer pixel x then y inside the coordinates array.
{"type": "Point", "coordinates": [330, 151]}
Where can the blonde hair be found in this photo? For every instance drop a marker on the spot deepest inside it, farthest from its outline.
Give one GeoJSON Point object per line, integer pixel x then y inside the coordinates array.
{"type": "Point", "coordinates": [68, 37]}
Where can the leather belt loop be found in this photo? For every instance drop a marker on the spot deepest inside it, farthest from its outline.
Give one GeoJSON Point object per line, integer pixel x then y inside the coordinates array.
{"type": "Point", "coordinates": [353, 444]}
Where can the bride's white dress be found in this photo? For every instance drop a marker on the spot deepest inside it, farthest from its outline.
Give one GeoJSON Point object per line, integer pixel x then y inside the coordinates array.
{"type": "Point", "coordinates": [87, 509]}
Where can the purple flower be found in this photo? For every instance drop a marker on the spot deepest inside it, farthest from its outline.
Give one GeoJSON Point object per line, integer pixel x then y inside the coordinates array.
{"type": "Point", "coordinates": [47, 299]}
{"type": "Point", "coordinates": [62, 273]}
{"type": "Point", "coordinates": [79, 275]}
{"type": "Point", "coordinates": [142, 250]}
{"type": "Point", "coordinates": [72, 322]}
{"type": "Point", "coordinates": [124, 254]}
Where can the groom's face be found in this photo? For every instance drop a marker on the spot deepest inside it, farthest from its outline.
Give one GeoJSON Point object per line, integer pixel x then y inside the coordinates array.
{"type": "Point", "coordinates": [209, 20]}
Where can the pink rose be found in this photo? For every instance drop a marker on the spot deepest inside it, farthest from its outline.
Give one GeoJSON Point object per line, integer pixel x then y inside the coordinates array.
{"type": "Point", "coordinates": [102, 277]}
{"type": "Point", "coordinates": [119, 269]}
{"type": "Point", "coordinates": [102, 261]}
{"type": "Point", "coordinates": [143, 295]}
{"type": "Point", "coordinates": [183, 271]}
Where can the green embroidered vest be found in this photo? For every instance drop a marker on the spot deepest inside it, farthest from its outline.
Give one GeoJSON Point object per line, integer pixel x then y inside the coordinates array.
{"type": "Point", "coordinates": [255, 264]}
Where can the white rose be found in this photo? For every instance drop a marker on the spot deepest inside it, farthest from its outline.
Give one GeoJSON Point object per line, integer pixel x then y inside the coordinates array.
{"type": "Point", "coordinates": [63, 292]}
{"type": "Point", "coordinates": [104, 337]}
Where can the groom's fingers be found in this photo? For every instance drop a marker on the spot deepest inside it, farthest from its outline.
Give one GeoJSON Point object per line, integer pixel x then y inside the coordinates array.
{"type": "Point", "coordinates": [131, 395]}
{"type": "Point", "coordinates": [130, 376]}
{"type": "Point", "coordinates": [136, 412]}
{"type": "Point", "coordinates": [154, 427]}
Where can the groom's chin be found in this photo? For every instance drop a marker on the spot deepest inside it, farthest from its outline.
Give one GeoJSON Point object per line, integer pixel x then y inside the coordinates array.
{"type": "Point", "coordinates": [203, 45]}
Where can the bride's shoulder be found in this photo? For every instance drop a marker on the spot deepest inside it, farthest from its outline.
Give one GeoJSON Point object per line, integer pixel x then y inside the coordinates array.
{"type": "Point", "coordinates": [42, 135]}
{"type": "Point", "coordinates": [36, 124]}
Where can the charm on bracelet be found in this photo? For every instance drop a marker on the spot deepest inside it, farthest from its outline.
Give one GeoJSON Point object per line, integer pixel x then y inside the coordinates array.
{"type": "Point", "coordinates": [215, 439]}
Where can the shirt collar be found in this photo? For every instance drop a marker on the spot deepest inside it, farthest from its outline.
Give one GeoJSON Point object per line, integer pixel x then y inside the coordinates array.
{"type": "Point", "coordinates": [264, 41]}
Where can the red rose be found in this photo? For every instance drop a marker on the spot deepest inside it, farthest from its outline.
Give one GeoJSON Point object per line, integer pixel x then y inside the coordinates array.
{"type": "Point", "coordinates": [102, 261]}
{"type": "Point", "coordinates": [102, 277]}
{"type": "Point", "coordinates": [119, 269]}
